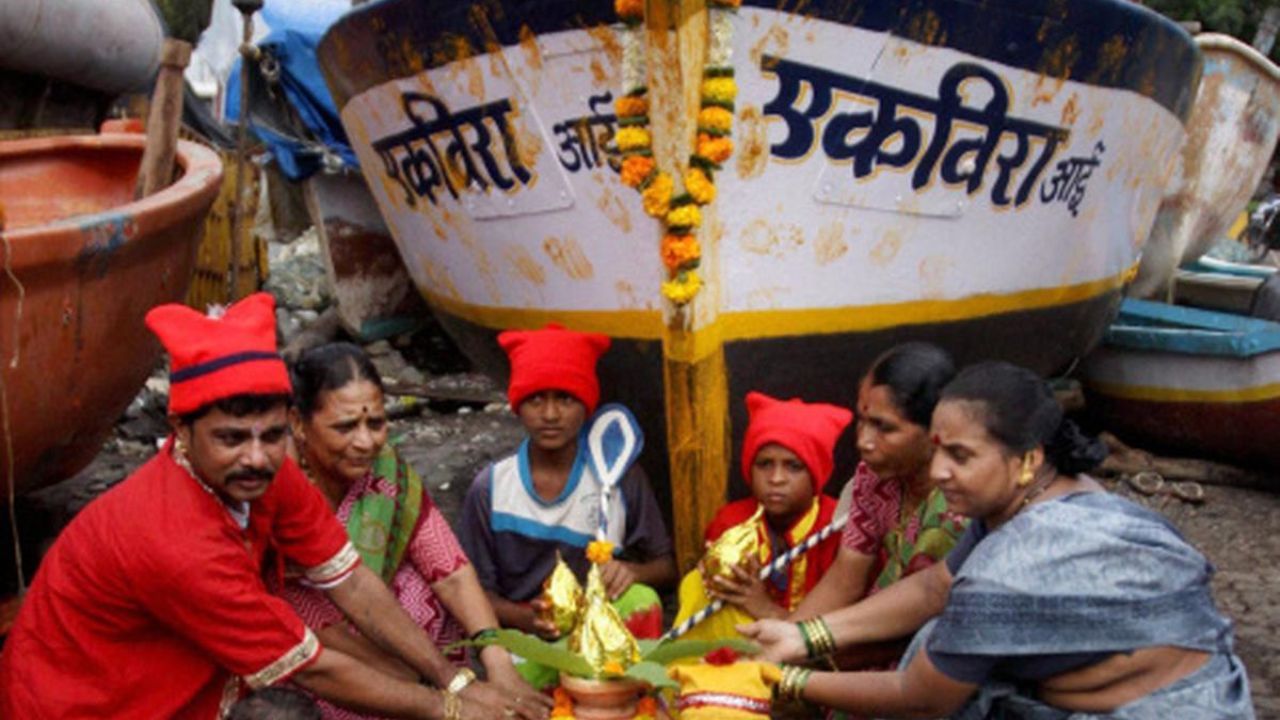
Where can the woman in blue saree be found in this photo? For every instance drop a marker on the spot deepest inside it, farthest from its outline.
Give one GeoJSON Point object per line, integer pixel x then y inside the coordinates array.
{"type": "Point", "coordinates": [1060, 601]}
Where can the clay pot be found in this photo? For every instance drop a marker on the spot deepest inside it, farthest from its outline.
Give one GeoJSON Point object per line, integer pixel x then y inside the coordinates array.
{"type": "Point", "coordinates": [603, 699]}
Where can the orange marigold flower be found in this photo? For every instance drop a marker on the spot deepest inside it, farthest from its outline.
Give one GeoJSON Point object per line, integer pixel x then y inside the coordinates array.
{"type": "Point", "coordinates": [647, 706]}
{"type": "Point", "coordinates": [613, 667]}
{"type": "Point", "coordinates": [715, 149]}
{"type": "Point", "coordinates": [657, 195]}
{"type": "Point", "coordinates": [678, 250]}
{"type": "Point", "coordinates": [635, 169]}
{"type": "Point", "coordinates": [629, 9]}
{"type": "Point", "coordinates": [631, 106]}
{"type": "Point", "coordinates": [599, 551]}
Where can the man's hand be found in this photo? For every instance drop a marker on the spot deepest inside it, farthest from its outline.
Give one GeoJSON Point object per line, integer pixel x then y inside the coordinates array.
{"type": "Point", "coordinates": [617, 576]}
{"type": "Point", "coordinates": [538, 623]}
{"type": "Point", "coordinates": [779, 641]}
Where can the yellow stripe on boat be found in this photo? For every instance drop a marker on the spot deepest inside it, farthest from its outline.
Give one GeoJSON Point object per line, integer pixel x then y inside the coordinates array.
{"type": "Point", "coordinates": [1259, 393]}
{"type": "Point", "coordinates": [762, 324]}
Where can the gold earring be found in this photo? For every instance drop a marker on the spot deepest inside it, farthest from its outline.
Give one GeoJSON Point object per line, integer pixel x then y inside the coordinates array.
{"type": "Point", "coordinates": [1028, 474]}
{"type": "Point", "coordinates": [179, 447]}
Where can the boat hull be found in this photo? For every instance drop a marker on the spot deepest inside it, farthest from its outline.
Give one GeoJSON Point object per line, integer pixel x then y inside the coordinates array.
{"type": "Point", "coordinates": [1231, 134]}
{"type": "Point", "coordinates": [1191, 383]}
{"type": "Point", "coordinates": [87, 263]}
{"type": "Point", "coordinates": [1226, 409]}
{"type": "Point", "coordinates": [823, 247]}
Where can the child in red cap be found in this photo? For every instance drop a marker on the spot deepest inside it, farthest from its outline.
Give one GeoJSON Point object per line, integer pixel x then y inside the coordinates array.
{"type": "Point", "coordinates": [544, 499]}
{"type": "Point", "coordinates": [787, 458]}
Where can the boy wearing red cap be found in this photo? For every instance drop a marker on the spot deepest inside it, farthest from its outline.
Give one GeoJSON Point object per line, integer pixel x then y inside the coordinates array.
{"type": "Point", "coordinates": [787, 458]}
{"type": "Point", "coordinates": [152, 602]}
{"type": "Point", "coordinates": [545, 499]}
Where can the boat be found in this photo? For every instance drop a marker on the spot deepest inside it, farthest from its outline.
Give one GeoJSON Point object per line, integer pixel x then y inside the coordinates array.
{"type": "Point", "coordinates": [62, 62]}
{"type": "Point", "coordinates": [1190, 382]}
{"type": "Point", "coordinates": [982, 177]}
{"type": "Point", "coordinates": [292, 112]}
{"type": "Point", "coordinates": [1223, 285]}
{"type": "Point", "coordinates": [1231, 133]}
{"type": "Point", "coordinates": [82, 266]}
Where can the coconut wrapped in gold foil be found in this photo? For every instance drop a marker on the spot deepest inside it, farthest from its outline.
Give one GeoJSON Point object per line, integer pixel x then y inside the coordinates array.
{"type": "Point", "coordinates": [733, 547]}
{"type": "Point", "coordinates": [562, 594]}
{"type": "Point", "coordinates": [601, 638]}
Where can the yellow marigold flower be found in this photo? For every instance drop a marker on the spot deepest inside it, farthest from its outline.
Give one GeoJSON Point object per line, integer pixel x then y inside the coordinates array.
{"type": "Point", "coordinates": [632, 138]}
{"type": "Point", "coordinates": [678, 250]}
{"type": "Point", "coordinates": [613, 667]}
{"type": "Point", "coordinates": [684, 216]}
{"type": "Point", "coordinates": [715, 149]}
{"type": "Point", "coordinates": [635, 169]}
{"type": "Point", "coordinates": [699, 186]}
{"type": "Point", "coordinates": [631, 106]}
{"type": "Point", "coordinates": [714, 117]}
{"type": "Point", "coordinates": [719, 89]}
{"type": "Point", "coordinates": [629, 9]}
{"type": "Point", "coordinates": [599, 551]}
{"type": "Point", "coordinates": [681, 290]}
{"type": "Point", "coordinates": [657, 196]}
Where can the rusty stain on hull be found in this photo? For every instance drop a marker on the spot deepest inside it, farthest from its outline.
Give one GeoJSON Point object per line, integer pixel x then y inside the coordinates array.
{"type": "Point", "coordinates": [567, 255]}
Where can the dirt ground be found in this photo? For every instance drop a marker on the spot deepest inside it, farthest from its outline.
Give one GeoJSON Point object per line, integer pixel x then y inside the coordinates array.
{"type": "Point", "coordinates": [449, 442]}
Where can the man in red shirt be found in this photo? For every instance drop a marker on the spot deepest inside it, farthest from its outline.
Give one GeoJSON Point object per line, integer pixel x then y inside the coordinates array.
{"type": "Point", "coordinates": [152, 604]}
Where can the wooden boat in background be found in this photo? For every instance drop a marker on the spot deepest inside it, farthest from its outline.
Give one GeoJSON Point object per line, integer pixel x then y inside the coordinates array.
{"type": "Point", "coordinates": [979, 176]}
{"type": "Point", "coordinates": [85, 262]}
{"type": "Point", "coordinates": [1190, 382]}
{"type": "Point", "coordinates": [1231, 134]}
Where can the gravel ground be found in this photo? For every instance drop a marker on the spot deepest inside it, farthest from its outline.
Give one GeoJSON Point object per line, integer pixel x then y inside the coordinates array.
{"type": "Point", "coordinates": [449, 442]}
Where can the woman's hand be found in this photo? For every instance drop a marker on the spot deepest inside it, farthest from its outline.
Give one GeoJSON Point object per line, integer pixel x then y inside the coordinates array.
{"type": "Point", "coordinates": [496, 703]}
{"type": "Point", "coordinates": [501, 672]}
{"type": "Point", "coordinates": [746, 591]}
{"type": "Point", "coordinates": [779, 641]}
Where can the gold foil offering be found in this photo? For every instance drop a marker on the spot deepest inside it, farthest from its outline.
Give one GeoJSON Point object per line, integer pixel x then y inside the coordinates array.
{"type": "Point", "coordinates": [601, 638]}
{"type": "Point", "coordinates": [563, 595]}
{"type": "Point", "coordinates": [733, 547]}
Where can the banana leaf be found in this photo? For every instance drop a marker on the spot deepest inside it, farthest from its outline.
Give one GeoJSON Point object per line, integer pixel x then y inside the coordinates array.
{"type": "Point", "coordinates": [666, 652]}
{"type": "Point", "coordinates": [555, 655]}
{"type": "Point", "coordinates": [652, 673]}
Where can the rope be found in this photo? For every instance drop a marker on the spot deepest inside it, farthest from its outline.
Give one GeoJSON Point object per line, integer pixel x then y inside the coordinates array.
{"type": "Point", "coordinates": [4, 412]}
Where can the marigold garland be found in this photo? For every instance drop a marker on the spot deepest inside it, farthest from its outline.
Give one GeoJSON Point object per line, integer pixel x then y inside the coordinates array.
{"type": "Point", "coordinates": [677, 200]}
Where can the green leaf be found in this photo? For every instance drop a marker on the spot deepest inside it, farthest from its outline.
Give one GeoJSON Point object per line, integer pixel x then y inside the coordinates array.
{"type": "Point", "coordinates": [532, 648]}
{"type": "Point", "coordinates": [666, 652]}
{"type": "Point", "coordinates": [652, 673]}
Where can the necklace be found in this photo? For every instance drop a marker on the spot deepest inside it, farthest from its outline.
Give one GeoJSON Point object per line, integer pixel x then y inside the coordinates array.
{"type": "Point", "coordinates": [1035, 492]}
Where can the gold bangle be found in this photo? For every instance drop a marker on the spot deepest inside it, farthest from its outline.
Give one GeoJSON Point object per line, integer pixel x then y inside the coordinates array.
{"type": "Point", "coordinates": [452, 706]}
{"type": "Point", "coordinates": [791, 685]}
{"type": "Point", "coordinates": [821, 637]}
{"type": "Point", "coordinates": [460, 681]}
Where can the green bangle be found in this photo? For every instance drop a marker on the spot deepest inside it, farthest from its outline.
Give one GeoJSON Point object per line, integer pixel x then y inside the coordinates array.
{"type": "Point", "coordinates": [804, 635]}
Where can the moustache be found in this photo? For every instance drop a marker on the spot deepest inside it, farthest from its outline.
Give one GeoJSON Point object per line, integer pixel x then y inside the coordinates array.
{"type": "Point", "coordinates": [254, 475]}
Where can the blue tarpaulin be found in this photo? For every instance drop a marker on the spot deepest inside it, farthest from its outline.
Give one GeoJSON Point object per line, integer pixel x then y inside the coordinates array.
{"type": "Point", "coordinates": [295, 28]}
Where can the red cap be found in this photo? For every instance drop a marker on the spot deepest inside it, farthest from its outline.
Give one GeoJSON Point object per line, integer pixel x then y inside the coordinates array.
{"type": "Point", "coordinates": [553, 359]}
{"type": "Point", "coordinates": [809, 430]}
{"type": "Point", "coordinates": [212, 357]}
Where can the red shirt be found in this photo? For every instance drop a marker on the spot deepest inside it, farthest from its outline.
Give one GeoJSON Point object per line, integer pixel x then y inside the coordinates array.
{"type": "Point", "coordinates": [151, 603]}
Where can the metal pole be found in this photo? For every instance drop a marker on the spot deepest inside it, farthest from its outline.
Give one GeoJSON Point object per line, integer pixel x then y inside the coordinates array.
{"type": "Point", "coordinates": [247, 54]}
{"type": "Point", "coordinates": [1265, 38]}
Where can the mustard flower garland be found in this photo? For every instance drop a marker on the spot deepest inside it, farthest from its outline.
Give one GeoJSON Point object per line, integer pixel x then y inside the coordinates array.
{"type": "Point", "coordinates": [677, 200]}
